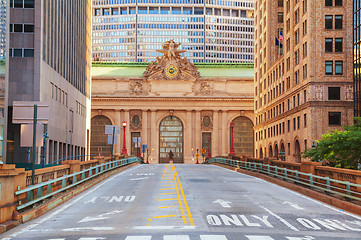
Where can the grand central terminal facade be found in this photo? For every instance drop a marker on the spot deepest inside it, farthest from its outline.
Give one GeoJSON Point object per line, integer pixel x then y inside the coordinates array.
{"type": "Point", "coordinates": [173, 105]}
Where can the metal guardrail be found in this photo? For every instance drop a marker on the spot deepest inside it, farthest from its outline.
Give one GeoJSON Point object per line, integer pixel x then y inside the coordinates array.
{"type": "Point", "coordinates": [68, 181]}
{"type": "Point", "coordinates": [326, 184]}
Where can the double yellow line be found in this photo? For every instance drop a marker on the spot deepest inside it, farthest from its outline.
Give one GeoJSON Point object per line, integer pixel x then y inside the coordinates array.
{"type": "Point", "coordinates": [179, 187]}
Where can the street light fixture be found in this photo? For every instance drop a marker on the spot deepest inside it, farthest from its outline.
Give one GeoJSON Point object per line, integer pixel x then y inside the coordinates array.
{"type": "Point", "coordinates": [124, 150]}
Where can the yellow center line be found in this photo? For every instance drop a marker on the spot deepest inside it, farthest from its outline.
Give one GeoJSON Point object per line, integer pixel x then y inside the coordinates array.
{"type": "Point", "coordinates": [168, 207]}
{"type": "Point", "coordinates": [179, 199]}
{"type": "Point", "coordinates": [166, 199]}
{"type": "Point", "coordinates": [165, 216]}
{"type": "Point", "coordinates": [184, 198]}
{"type": "Point", "coordinates": [165, 169]}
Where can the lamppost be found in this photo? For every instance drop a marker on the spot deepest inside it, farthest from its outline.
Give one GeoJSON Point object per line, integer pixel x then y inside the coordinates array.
{"type": "Point", "coordinates": [45, 136]}
{"type": "Point", "coordinates": [209, 147]}
{"type": "Point", "coordinates": [282, 155]}
{"type": "Point", "coordinates": [124, 150]}
{"type": "Point", "coordinates": [232, 152]}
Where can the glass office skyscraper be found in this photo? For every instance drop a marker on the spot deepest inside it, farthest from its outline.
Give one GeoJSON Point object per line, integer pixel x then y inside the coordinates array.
{"type": "Point", "coordinates": [210, 30]}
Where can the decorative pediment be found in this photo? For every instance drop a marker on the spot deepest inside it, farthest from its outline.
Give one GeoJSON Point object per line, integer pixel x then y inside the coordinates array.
{"type": "Point", "coordinates": [171, 65]}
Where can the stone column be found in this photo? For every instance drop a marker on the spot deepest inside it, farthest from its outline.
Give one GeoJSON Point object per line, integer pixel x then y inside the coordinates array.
{"type": "Point", "coordinates": [215, 136]}
{"type": "Point", "coordinates": [198, 132]}
{"type": "Point", "coordinates": [117, 147]}
{"type": "Point", "coordinates": [128, 136]}
{"type": "Point", "coordinates": [153, 156]}
{"type": "Point", "coordinates": [225, 144]}
{"type": "Point", "coordinates": [144, 134]}
{"type": "Point", "coordinates": [188, 138]}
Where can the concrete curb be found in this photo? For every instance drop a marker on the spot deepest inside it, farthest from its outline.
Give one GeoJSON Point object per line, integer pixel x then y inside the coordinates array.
{"type": "Point", "coordinates": [58, 200]}
{"type": "Point", "coordinates": [347, 206]}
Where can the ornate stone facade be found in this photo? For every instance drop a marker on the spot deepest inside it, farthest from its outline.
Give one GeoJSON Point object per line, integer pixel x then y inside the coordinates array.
{"type": "Point", "coordinates": [172, 88]}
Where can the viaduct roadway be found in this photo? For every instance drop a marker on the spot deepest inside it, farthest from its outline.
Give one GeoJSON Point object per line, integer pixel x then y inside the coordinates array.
{"type": "Point", "coordinates": [189, 202]}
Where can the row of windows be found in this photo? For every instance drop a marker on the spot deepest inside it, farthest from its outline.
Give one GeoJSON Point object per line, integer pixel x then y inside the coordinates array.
{"type": "Point", "coordinates": [334, 67]}
{"type": "Point", "coordinates": [240, 3]}
{"type": "Point", "coordinates": [22, 3]}
{"type": "Point", "coordinates": [22, 28]}
{"type": "Point", "coordinates": [58, 94]}
{"type": "Point", "coordinates": [330, 3]}
{"type": "Point", "coordinates": [21, 52]}
{"type": "Point", "coordinates": [80, 109]}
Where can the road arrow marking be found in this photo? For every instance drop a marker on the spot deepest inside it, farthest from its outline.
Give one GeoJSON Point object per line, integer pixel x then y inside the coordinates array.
{"type": "Point", "coordinates": [294, 205]}
{"type": "Point", "coordinates": [92, 200]}
{"type": "Point", "coordinates": [100, 217]}
{"type": "Point", "coordinates": [223, 203]}
{"type": "Point", "coordinates": [301, 238]}
{"type": "Point", "coordinates": [95, 238]}
{"type": "Point", "coordinates": [135, 179]}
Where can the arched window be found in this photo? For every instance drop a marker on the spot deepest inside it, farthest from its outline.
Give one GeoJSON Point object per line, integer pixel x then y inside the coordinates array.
{"type": "Point", "coordinates": [297, 151]}
{"type": "Point", "coordinates": [99, 140]}
{"type": "Point", "coordinates": [276, 151]}
{"type": "Point", "coordinates": [171, 138]}
{"type": "Point", "coordinates": [270, 152]}
{"type": "Point", "coordinates": [243, 136]}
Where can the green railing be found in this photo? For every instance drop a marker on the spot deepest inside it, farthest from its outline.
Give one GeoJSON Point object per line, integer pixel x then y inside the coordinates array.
{"type": "Point", "coordinates": [324, 184]}
{"type": "Point", "coordinates": [41, 191]}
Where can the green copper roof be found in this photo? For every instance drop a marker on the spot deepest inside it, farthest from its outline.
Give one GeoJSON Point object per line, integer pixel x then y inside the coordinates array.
{"type": "Point", "coordinates": [206, 69]}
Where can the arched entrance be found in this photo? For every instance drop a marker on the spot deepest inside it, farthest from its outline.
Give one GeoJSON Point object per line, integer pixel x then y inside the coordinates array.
{"type": "Point", "coordinates": [171, 138]}
{"type": "Point", "coordinates": [260, 153]}
{"type": "Point", "coordinates": [99, 141]}
{"type": "Point", "coordinates": [243, 141]}
{"type": "Point", "coordinates": [283, 157]}
{"type": "Point", "coordinates": [276, 150]}
{"type": "Point", "coordinates": [270, 152]}
{"type": "Point", "coordinates": [297, 151]}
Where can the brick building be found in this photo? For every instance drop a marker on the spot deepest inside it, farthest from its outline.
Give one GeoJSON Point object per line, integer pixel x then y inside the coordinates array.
{"type": "Point", "coordinates": [303, 73]}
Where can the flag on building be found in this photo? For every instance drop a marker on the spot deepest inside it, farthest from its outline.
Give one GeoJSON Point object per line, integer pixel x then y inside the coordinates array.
{"type": "Point", "coordinates": [281, 35]}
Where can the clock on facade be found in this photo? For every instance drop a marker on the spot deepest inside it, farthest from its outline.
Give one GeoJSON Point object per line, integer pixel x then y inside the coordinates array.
{"type": "Point", "coordinates": [171, 71]}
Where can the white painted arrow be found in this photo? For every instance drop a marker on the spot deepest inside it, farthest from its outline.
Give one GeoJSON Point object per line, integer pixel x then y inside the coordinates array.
{"type": "Point", "coordinates": [135, 179]}
{"type": "Point", "coordinates": [87, 229]}
{"type": "Point", "coordinates": [100, 217]}
{"type": "Point", "coordinates": [94, 238]}
{"type": "Point", "coordinates": [223, 203]}
{"type": "Point", "coordinates": [294, 205]}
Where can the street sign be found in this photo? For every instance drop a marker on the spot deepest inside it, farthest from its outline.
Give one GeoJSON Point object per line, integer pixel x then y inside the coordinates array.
{"type": "Point", "coordinates": [110, 139]}
{"type": "Point", "coordinates": [204, 151]}
{"type": "Point", "coordinates": [109, 129]}
{"type": "Point", "coordinates": [144, 148]}
{"type": "Point", "coordinates": [26, 135]}
{"type": "Point", "coordinates": [23, 112]}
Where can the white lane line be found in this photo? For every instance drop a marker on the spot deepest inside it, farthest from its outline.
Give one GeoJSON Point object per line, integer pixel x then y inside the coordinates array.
{"type": "Point", "coordinates": [213, 237]}
{"type": "Point", "coordinates": [57, 239]}
{"type": "Point", "coordinates": [87, 229]}
{"type": "Point", "coordinates": [163, 227]}
{"type": "Point", "coordinates": [135, 179]}
{"type": "Point", "coordinates": [78, 198]}
{"type": "Point", "coordinates": [259, 237]}
{"type": "Point", "coordinates": [280, 218]}
{"type": "Point", "coordinates": [176, 237]}
{"type": "Point", "coordinates": [139, 238]}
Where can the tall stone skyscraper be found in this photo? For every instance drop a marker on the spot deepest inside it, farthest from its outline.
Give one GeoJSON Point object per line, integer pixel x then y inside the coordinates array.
{"type": "Point", "coordinates": [303, 73]}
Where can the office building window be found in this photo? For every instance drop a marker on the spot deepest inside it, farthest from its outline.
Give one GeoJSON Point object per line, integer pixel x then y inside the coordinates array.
{"type": "Point", "coordinates": [338, 67]}
{"type": "Point", "coordinates": [305, 120]}
{"type": "Point", "coordinates": [328, 3]}
{"type": "Point", "coordinates": [334, 93]}
{"type": "Point", "coordinates": [338, 44]}
{"type": "Point", "coordinates": [328, 45]}
{"type": "Point", "coordinates": [338, 22]}
{"type": "Point", "coordinates": [328, 22]}
{"type": "Point", "coordinates": [329, 67]}
{"type": "Point", "coordinates": [28, 28]}
{"type": "Point", "coordinates": [334, 118]}
{"type": "Point", "coordinates": [338, 3]}
{"type": "Point", "coordinates": [28, 52]}
{"type": "Point", "coordinates": [280, 17]}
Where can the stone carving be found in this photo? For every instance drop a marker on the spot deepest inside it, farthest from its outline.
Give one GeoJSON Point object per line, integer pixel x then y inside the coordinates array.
{"type": "Point", "coordinates": [349, 93]}
{"type": "Point", "coordinates": [319, 93]}
{"type": "Point", "coordinates": [136, 87]}
{"type": "Point", "coordinates": [135, 117]}
{"type": "Point", "coordinates": [207, 120]}
{"type": "Point", "coordinates": [205, 88]}
{"type": "Point", "coordinates": [171, 65]}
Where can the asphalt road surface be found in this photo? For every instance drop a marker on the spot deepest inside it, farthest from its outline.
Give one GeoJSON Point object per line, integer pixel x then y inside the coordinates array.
{"type": "Point", "coordinates": [189, 202]}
